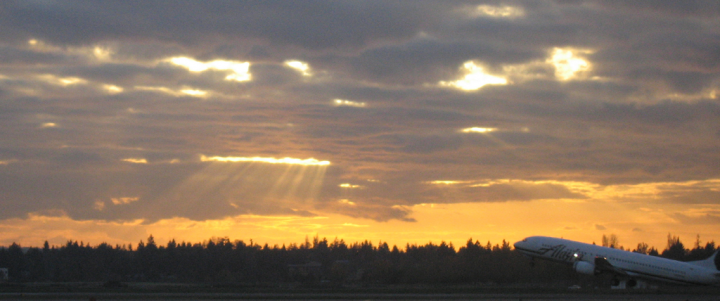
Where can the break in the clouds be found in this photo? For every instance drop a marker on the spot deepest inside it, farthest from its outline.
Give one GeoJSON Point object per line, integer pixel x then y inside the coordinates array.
{"type": "Point", "coordinates": [153, 110]}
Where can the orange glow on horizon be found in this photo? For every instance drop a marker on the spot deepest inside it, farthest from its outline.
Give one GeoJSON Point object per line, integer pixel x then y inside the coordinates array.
{"type": "Point", "coordinates": [451, 223]}
{"type": "Point", "coordinates": [621, 210]}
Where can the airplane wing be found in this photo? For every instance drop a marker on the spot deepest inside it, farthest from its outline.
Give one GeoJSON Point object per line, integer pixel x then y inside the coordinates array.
{"type": "Point", "coordinates": [602, 264]}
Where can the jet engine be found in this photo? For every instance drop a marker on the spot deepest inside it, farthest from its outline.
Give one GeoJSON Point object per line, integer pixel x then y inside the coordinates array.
{"type": "Point", "coordinates": [584, 267]}
{"type": "Point", "coordinates": [631, 283]}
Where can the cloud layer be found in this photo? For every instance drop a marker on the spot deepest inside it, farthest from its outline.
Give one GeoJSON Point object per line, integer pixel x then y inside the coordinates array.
{"type": "Point", "coordinates": [107, 108]}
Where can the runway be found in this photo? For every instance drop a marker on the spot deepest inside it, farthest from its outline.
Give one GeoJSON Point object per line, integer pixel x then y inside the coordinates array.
{"type": "Point", "coordinates": [358, 296]}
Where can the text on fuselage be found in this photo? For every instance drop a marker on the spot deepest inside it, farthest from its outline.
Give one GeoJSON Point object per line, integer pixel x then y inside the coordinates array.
{"type": "Point", "coordinates": [563, 253]}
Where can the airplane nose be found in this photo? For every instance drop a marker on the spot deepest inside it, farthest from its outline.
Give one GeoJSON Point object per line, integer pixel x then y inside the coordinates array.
{"type": "Point", "coordinates": [521, 244]}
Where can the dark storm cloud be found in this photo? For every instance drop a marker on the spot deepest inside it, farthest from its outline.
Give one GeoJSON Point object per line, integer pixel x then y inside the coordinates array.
{"type": "Point", "coordinates": [669, 8]}
{"type": "Point", "coordinates": [273, 75]}
{"type": "Point", "coordinates": [666, 113]}
{"type": "Point", "coordinates": [130, 74]}
{"type": "Point", "coordinates": [645, 111]}
{"type": "Point", "coordinates": [309, 24]}
{"type": "Point", "coordinates": [12, 56]}
{"type": "Point", "coordinates": [430, 61]}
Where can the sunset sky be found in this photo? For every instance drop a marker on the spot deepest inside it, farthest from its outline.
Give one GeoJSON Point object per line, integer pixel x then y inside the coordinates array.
{"type": "Point", "coordinates": [394, 121]}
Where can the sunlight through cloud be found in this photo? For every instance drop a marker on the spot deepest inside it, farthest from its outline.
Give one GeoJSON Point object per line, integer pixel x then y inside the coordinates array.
{"type": "Point", "coordinates": [286, 160]}
{"type": "Point", "coordinates": [348, 185]}
{"type": "Point", "coordinates": [112, 89]}
{"type": "Point", "coordinates": [478, 130]}
{"type": "Point", "coordinates": [240, 70]}
{"type": "Point", "coordinates": [253, 185]}
{"type": "Point", "coordinates": [7, 162]}
{"type": "Point", "coordinates": [447, 182]}
{"type": "Point", "coordinates": [124, 201]}
{"type": "Point", "coordinates": [99, 205]}
{"type": "Point", "coordinates": [136, 160]}
{"type": "Point", "coordinates": [303, 67]}
{"type": "Point", "coordinates": [194, 92]}
{"type": "Point", "coordinates": [348, 103]}
{"type": "Point", "coordinates": [62, 81]}
{"type": "Point", "coordinates": [498, 11]}
{"type": "Point", "coordinates": [347, 202]}
{"type": "Point", "coordinates": [568, 64]}
{"type": "Point", "coordinates": [475, 78]}
{"type": "Point", "coordinates": [98, 53]}
{"type": "Point", "coordinates": [354, 225]}
{"type": "Point", "coordinates": [101, 53]}
{"type": "Point", "coordinates": [176, 93]}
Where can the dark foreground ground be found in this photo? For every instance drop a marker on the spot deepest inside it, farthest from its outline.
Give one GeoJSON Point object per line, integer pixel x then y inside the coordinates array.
{"type": "Point", "coordinates": [145, 291]}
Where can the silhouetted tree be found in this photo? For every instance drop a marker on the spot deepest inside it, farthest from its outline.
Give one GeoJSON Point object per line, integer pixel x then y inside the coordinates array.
{"type": "Point", "coordinates": [610, 241]}
{"type": "Point", "coordinates": [642, 248]}
{"type": "Point", "coordinates": [675, 249]}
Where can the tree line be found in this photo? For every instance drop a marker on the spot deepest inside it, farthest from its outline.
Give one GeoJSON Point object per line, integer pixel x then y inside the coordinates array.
{"type": "Point", "coordinates": [675, 248]}
{"type": "Point", "coordinates": [221, 261]}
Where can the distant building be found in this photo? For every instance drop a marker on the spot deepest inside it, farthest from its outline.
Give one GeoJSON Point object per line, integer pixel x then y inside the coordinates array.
{"type": "Point", "coordinates": [4, 275]}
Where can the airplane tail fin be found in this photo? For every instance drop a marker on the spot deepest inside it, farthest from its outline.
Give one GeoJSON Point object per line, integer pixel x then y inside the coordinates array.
{"type": "Point", "coordinates": [713, 262]}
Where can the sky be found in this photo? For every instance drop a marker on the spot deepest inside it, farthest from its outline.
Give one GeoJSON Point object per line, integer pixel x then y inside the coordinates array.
{"type": "Point", "coordinates": [405, 122]}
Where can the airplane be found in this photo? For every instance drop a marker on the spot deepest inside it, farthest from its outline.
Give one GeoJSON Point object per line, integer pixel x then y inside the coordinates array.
{"type": "Point", "coordinates": [628, 267]}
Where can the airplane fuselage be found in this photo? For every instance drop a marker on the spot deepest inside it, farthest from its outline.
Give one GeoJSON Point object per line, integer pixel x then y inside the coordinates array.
{"type": "Point", "coordinates": [592, 259]}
